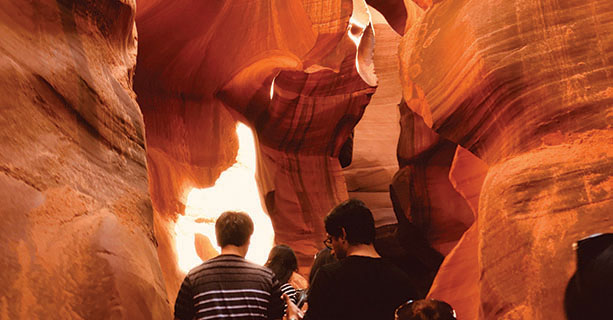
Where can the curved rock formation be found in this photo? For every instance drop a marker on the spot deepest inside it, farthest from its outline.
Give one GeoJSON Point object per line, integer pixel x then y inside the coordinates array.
{"type": "Point", "coordinates": [376, 135]}
{"type": "Point", "coordinates": [526, 86]}
{"type": "Point", "coordinates": [459, 272]}
{"type": "Point", "coordinates": [505, 155]}
{"type": "Point", "coordinates": [288, 69]}
{"type": "Point", "coordinates": [77, 228]}
{"type": "Point", "coordinates": [422, 187]}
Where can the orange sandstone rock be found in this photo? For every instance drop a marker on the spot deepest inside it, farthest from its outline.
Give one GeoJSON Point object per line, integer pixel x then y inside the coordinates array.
{"type": "Point", "coordinates": [522, 84]}
{"type": "Point", "coordinates": [77, 225]}
{"type": "Point", "coordinates": [459, 272]}
{"type": "Point", "coordinates": [194, 56]}
{"type": "Point", "coordinates": [422, 187]}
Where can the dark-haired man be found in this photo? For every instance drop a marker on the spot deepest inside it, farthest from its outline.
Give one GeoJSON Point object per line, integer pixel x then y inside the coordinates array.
{"type": "Point", "coordinates": [361, 285]}
{"type": "Point", "coordinates": [228, 286]}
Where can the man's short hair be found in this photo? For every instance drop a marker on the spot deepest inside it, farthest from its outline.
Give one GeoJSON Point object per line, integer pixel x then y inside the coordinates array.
{"type": "Point", "coordinates": [233, 227]}
{"type": "Point", "coordinates": [357, 220]}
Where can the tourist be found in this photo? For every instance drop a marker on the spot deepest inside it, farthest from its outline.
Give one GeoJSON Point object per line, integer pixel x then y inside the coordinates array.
{"type": "Point", "coordinates": [282, 261]}
{"type": "Point", "coordinates": [361, 285]}
{"type": "Point", "coordinates": [228, 286]}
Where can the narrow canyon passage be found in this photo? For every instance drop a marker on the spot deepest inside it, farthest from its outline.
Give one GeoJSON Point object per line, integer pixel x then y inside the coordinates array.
{"type": "Point", "coordinates": [234, 190]}
{"type": "Point", "coordinates": [478, 132]}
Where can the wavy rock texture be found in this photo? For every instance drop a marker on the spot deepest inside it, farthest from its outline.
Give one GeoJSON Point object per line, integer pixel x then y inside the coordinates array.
{"type": "Point", "coordinates": [76, 230]}
{"type": "Point", "coordinates": [301, 134]}
{"type": "Point", "coordinates": [526, 86]}
{"type": "Point", "coordinates": [424, 193]}
{"type": "Point", "coordinates": [194, 56]}
{"type": "Point", "coordinates": [459, 272]}
{"type": "Point", "coordinates": [431, 213]}
{"type": "Point", "coordinates": [376, 135]}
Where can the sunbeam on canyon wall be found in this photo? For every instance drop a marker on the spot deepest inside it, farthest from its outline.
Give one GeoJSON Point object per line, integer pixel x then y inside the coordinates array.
{"type": "Point", "coordinates": [235, 189]}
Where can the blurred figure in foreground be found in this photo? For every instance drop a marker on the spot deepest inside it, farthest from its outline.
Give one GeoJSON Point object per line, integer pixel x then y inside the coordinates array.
{"type": "Point", "coordinates": [589, 293]}
{"type": "Point", "coordinates": [425, 310]}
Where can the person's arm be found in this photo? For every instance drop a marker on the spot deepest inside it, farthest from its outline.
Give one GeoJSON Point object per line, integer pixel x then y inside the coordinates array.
{"type": "Point", "coordinates": [184, 305]}
{"type": "Point", "coordinates": [289, 290]}
{"type": "Point", "coordinates": [292, 312]}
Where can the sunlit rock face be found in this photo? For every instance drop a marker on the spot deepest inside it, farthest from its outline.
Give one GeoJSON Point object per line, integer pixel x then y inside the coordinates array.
{"type": "Point", "coordinates": [77, 227]}
{"type": "Point", "coordinates": [525, 86]}
{"type": "Point", "coordinates": [236, 190]}
{"type": "Point", "coordinates": [309, 118]}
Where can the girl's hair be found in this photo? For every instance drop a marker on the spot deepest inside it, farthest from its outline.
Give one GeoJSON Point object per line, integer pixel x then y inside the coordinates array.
{"type": "Point", "coordinates": [282, 261]}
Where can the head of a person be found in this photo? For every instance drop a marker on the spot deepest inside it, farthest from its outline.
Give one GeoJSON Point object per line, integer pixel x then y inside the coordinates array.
{"type": "Point", "coordinates": [282, 261]}
{"type": "Point", "coordinates": [348, 224]}
{"type": "Point", "coordinates": [322, 258]}
{"type": "Point", "coordinates": [233, 228]}
{"type": "Point", "coordinates": [589, 292]}
{"type": "Point", "coordinates": [425, 310]}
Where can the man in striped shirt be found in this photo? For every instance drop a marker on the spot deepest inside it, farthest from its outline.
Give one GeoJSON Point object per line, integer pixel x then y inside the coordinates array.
{"type": "Point", "coordinates": [228, 286]}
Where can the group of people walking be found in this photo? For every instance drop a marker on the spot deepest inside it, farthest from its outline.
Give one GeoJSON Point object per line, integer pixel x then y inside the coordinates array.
{"type": "Point", "coordinates": [355, 283]}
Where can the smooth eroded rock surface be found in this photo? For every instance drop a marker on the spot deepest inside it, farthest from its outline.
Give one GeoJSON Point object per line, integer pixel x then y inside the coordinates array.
{"type": "Point", "coordinates": [76, 230]}
{"type": "Point", "coordinates": [526, 86]}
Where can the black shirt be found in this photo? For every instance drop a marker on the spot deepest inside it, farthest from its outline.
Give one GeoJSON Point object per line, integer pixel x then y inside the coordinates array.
{"type": "Point", "coordinates": [356, 288]}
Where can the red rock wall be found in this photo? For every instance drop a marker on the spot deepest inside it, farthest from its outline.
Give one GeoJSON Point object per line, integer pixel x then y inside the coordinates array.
{"type": "Point", "coordinates": [376, 135]}
{"type": "Point", "coordinates": [422, 186]}
{"type": "Point", "coordinates": [300, 135]}
{"type": "Point", "coordinates": [194, 56]}
{"type": "Point", "coordinates": [459, 272]}
{"type": "Point", "coordinates": [76, 234]}
{"type": "Point", "coordinates": [526, 86]}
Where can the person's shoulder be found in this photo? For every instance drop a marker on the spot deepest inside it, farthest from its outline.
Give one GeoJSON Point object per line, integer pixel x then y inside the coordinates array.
{"type": "Point", "coordinates": [392, 268]}
{"type": "Point", "coordinates": [215, 263]}
{"type": "Point", "coordinates": [333, 266]}
{"type": "Point", "coordinates": [254, 269]}
{"type": "Point", "coordinates": [327, 272]}
{"type": "Point", "coordinates": [396, 275]}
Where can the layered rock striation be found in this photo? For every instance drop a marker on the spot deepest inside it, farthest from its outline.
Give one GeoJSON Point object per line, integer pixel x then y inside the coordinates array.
{"type": "Point", "coordinates": [292, 70]}
{"type": "Point", "coordinates": [524, 85]}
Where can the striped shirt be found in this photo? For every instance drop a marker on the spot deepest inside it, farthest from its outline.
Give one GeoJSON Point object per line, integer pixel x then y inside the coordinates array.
{"type": "Point", "coordinates": [290, 291]}
{"type": "Point", "coordinates": [229, 287]}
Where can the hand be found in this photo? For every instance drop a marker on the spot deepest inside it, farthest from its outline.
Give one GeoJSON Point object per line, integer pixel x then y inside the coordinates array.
{"type": "Point", "coordinates": [292, 312]}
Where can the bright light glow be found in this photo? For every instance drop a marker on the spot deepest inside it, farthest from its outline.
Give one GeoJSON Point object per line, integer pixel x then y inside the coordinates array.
{"type": "Point", "coordinates": [355, 31]}
{"type": "Point", "coordinates": [360, 31]}
{"type": "Point", "coordinates": [235, 189]}
{"type": "Point", "coordinates": [272, 88]}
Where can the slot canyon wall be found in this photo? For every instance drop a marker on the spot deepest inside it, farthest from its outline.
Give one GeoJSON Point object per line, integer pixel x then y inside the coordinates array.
{"type": "Point", "coordinates": [526, 86]}
{"type": "Point", "coordinates": [76, 229]}
{"type": "Point", "coordinates": [479, 132]}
